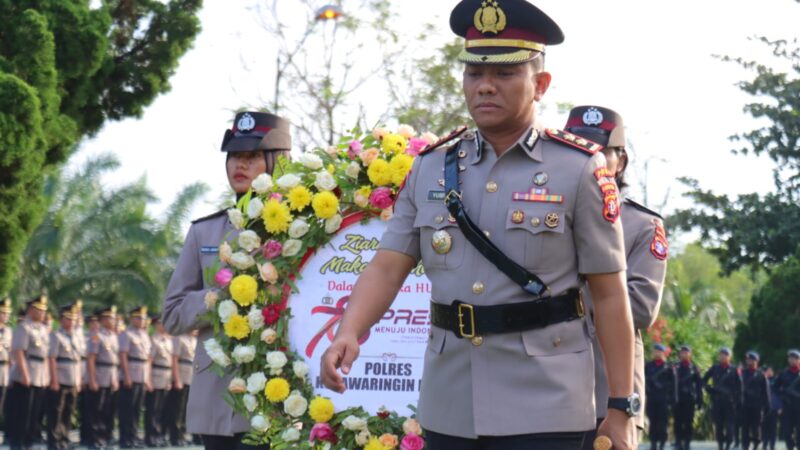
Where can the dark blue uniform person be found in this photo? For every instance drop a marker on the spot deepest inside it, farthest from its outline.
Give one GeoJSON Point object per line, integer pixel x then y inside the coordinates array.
{"type": "Point", "coordinates": [724, 385]}
{"type": "Point", "coordinates": [690, 395]}
{"type": "Point", "coordinates": [756, 400]}
{"type": "Point", "coordinates": [787, 386]}
{"type": "Point", "coordinates": [661, 392]}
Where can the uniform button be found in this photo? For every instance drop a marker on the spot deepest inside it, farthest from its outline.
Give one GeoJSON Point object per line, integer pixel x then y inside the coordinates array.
{"type": "Point", "coordinates": [477, 341]}
{"type": "Point", "coordinates": [439, 219]}
{"type": "Point", "coordinates": [478, 287]}
{"type": "Point", "coordinates": [486, 232]}
{"type": "Point", "coordinates": [491, 187]}
{"type": "Point", "coordinates": [536, 221]}
{"type": "Point", "coordinates": [197, 367]}
{"type": "Point", "coordinates": [556, 342]}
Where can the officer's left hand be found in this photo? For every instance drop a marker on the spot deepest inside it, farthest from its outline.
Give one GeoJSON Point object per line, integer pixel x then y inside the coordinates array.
{"type": "Point", "coordinates": [178, 385]}
{"type": "Point", "coordinates": [54, 386]}
{"type": "Point", "coordinates": [619, 427]}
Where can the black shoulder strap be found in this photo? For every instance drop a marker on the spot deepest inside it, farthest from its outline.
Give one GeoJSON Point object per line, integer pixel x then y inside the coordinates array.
{"type": "Point", "coordinates": [529, 282]}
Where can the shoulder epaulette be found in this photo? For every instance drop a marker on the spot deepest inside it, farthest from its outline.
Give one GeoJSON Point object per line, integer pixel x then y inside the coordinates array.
{"type": "Point", "coordinates": [574, 141]}
{"type": "Point", "coordinates": [210, 216]}
{"type": "Point", "coordinates": [642, 208]}
{"type": "Point", "coordinates": [454, 134]}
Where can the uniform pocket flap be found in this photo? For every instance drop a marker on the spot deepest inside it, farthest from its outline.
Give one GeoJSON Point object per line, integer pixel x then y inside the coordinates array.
{"type": "Point", "coordinates": [433, 217]}
{"type": "Point", "coordinates": [558, 339]}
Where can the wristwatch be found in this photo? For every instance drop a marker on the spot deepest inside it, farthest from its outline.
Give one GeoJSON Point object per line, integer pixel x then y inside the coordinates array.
{"type": "Point", "coordinates": [631, 406]}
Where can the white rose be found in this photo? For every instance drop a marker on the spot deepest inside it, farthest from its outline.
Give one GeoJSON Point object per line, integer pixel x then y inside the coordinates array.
{"type": "Point", "coordinates": [288, 181]}
{"type": "Point", "coordinates": [226, 309]}
{"type": "Point", "coordinates": [407, 131]}
{"type": "Point", "coordinates": [269, 335]}
{"type": "Point", "coordinates": [332, 150]}
{"type": "Point", "coordinates": [244, 353]}
{"type": "Point", "coordinates": [310, 161]}
{"type": "Point", "coordinates": [290, 435]}
{"type": "Point", "coordinates": [298, 228]}
{"type": "Point", "coordinates": [225, 252]}
{"type": "Point", "coordinates": [276, 361]}
{"type": "Point", "coordinates": [259, 423]}
{"type": "Point", "coordinates": [215, 352]}
{"type": "Point", "coordinates": [249, 240]}
{"type": "Point", "coordinates": [332, 225]}
{"type": "Point", "coordinates": [429, 137]}
{"type": "Point", "coordinates": [250, 402]}
{"type": "Point", "coordinates": [291, 247]}
{"type": "Point", "coordinates": [254, 208]}
{"type": "Point", "coordinates": [236, 217]}
{"type": "Point", "coordinates": [262, 183]}
{"type": "Point", "coordinates": [256, 383]}
{"type": "Point", "coordinates": [354, 423]}
{"type": "Point", "coordinates": [211, 298]}
{"type": "Point", "coordinates": [362, 438]}
{"type": "Point", "coordinates": [352, 170]}
{"type": "Point", "coordinates": [300, 369]}
{"type": "Point", "coordinates": [255, 319]}
{"type": "Point", "coordinates": [295, 405]}
{"type": "Point", "coordinates": [325, 181]}
{"type": "Point", "coordinates": [242, 261]}
{"type": "Point", "coordinates": [236, 386]}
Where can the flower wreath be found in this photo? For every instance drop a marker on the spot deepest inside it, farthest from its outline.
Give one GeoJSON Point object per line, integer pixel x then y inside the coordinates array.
{"type": "Point", "coordinates": [281, 222]}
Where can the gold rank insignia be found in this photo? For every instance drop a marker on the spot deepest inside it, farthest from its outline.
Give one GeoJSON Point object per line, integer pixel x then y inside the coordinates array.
{"type": "Point", "coordinates": [490, 18]}
{"type": "Point", "coordinates": [551, 220]}
{"type": "Point", "coordinates": [517, 216]}
{"type": "Point", "coordinates": [442, 242]}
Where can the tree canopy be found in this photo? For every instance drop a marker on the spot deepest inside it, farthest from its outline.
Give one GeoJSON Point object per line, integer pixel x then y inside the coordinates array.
{"type": "Point", "coordinates": [66, 67]}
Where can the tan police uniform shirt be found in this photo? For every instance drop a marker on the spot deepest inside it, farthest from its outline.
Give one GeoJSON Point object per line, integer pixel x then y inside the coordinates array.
{"type": "Point", "coordinates": [515, 383]}
{"type": "Point", "coordinates": [105, 345]}
{"type": "Point", "coordinates": [183, 348]}
{"type": "Point", "coordinates": [33, 339]}
{"type": "Point", "coordinates": [87, 344]}
{"type": "Point", "coordinates": [79, 341]}
{"type": "Point", "coordinates": [5, 354]}
{"type": "Point", "coordinates": [136, 343]}
{"type": "Point", "coordinates": [161, 354]}
{"type": "Point", "coordinates": [184, 303]}
{"type": "Point", "coordinates": [67, 356]}
{"type": "Point", "coordinates": [647, 267]}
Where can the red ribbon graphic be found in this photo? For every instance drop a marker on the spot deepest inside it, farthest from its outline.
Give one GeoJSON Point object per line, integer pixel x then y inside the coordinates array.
{"type": "Point", "coordinates": [328, 328]}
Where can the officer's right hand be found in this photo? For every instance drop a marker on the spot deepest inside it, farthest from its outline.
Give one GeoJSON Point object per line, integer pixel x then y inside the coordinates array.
{"type": "Point", "coordinates": [94, 387]}
{"type": "Point", "coordinates": [178, 385]}
{"type": "Point", "coordinates": [620, 428]}
{"type": "Point", "coordinates": [25, 381]}
{"type": "Point", "coordinates": [128, 383]}
{"type": "Point", "coordinates": [54, 386]}
{"type": "Point", "coordinates": [341, 354]}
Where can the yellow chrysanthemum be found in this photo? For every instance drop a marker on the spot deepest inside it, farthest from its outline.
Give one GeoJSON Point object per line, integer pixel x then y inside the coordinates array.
{"type": "Point", "coordinates": [331, 169]}
{"type": "Point", "coordinates": [399, 168]}
{"type": "Point", "coordinates": [244, 290]}
{"type": "Point", "coordinates": [394, 143]}
{"type": "Point", "coordinates": [325, 205]}
{"type": "Point", "coordinates": [299, 197]}
{"type": "Point", "coordinates": [375, 444]}
{"type": "Point", "coordinates": [237, 327]}
{"type": "Point", "coordinates": [321, 409]}
{"type": "Point", "coordinates": [364, 191]}
{"type": "Point", "coordinates": [277, 390]}
{"type": "Point", "coordinates": [276, 216]}
{"type": "Point", "coordinates": [380, 173]}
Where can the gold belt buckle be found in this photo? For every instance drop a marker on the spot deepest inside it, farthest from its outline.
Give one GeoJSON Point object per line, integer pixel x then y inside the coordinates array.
{"type": "Point", "coordinates": [461, 308]}
{"type": "Point", "coordinates": [579, 305]}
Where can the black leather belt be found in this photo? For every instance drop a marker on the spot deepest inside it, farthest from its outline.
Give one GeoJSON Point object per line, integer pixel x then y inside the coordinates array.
{"type": "Point", "coordinates": [159, 366]}
{"type": "Point", "coordinates": [35, 358]}
{"type": "Point", "coordinates": [3, 363]}
{"type": "Point", "coordinates": [468, 321]}
{"type": "Point", "coordinates": [105, 364]}
{"type": "Point", "coordinates": [186, 361]}
{"type": "Point", "coordinates": [135, 359]}
{"type": "Point", "coordinates": [63, 359]}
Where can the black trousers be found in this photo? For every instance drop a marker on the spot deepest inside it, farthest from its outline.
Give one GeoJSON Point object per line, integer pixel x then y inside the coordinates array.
{"type": "Point", "coordinates": [790, 425]}
{"type": "Point", "coordinates": [175, 414]}
{"type": "Point", "coordinates": [213, 442]}
{"type": "Point", "coordinates": [724, 417]}
{"type": "Point", "coordinates": [101, 403]}
{"type": "Point", "coordinates": [684, 424]}
{"type": "Point", "coordinates": [3, 390]}
{"type": "Point", "coordinates": [153, 415]}
{"type": "Point", "coordinates": [84, 417]}
{"type": "Point", "coordinates": [658, 413]}
{"type": "Point", "coordinates": [538, 441]}
{"type": "Point", "coordinates": [38, 411]}
{"type": "Point", "coordinates": [130, 402]}
{"type": "Point", "coordinates": [22, 410]}
{"type": "Point", "coordinates": [769, 430]}
{"type": "Point", "coordinates": [60, 408]}
{"type": "Point", "coordinates": [751, 427]}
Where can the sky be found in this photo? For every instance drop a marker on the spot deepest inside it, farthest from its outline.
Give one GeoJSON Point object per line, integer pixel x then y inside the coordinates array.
{"type": "Point", "coordinates": [650, 61]}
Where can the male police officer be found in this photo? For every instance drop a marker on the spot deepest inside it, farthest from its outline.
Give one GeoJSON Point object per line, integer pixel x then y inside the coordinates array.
{"type": "Point", "coordinates": [134, 358]}
{"type": "Point", "coordinates": [183, 348]}
{"type": "Point", "coordinates": [64, 360]}
{"type": "Point", "coordinates": [103, 363]}
{"type": "Point", "coordinates": [5, 350]}
{"type": "Point", "coordinates": [756, 400]}
{"type": "Point", "coordinates": [85, 405]}
{"type": "Point", "coordinates": [533, 215]}
{"type": "Point", "coordinates": [662, 390]}
{"type": "Point", "coordinates": [252, 147]}
{"type": "Point", "coordinates": [787, 386]}
{"type": "Point", "coordinates": [161, 381]}
{"type": "Point", "coordinates": [645, 248]}
{"type": "Point", "coordinates": [690, 395]}
{"type": "Point", "coordinates": [724, 385]}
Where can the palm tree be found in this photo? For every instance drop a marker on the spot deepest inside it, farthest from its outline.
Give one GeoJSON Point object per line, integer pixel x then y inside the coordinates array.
{"type": "Point", "coordinates": [101, 245]}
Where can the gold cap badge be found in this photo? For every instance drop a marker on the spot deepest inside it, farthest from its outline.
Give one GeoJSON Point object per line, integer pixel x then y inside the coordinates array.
{"type": "Point", "coordinates": [490, 18]}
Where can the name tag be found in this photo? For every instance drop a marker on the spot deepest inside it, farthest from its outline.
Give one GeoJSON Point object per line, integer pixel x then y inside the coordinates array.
{"type": "Point", "coordinates": [209, 250]}
{"type": "Point", "coordinates": [436, 196]}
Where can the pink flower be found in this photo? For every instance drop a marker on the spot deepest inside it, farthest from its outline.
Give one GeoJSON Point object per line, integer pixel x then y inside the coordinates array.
{"type": "Point", "coordinates": [276, 196]}
{"type": "Point", "coordinates": [354, 149]}
{"type": "Point", "coordinates": [272, 249]}
{"type": "Point", "coordinates": [412, 442]}
{"type": "Point", "coordinates": [323, 432]}
{"type": "Point", "coordinates": [415, 145]}
{"type": "Point", "coordinates": [381, 198]}
{"type": "Point", "coordinates": [369, 155]}
{"type": "Point", "coordinates": [223, 277]}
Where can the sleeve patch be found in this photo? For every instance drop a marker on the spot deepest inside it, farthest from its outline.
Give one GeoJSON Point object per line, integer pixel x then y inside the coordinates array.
{"type": "Point", "coordinates": [608, 187]}
{"type": "Point", "coordinates": [659, 247]}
